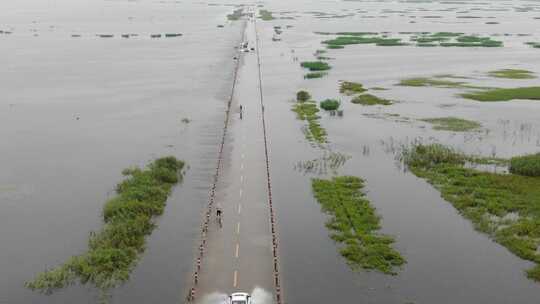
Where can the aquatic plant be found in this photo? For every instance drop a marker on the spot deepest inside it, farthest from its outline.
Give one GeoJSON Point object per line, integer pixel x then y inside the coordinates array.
{"type": "Point", "coordinates": [512, 74]}
{"type": "Point", "coordinates": [315, 65]}
{"type": "Point", "coordinates": [504, 206]}
{"type": "Point", "coordinates": [113, 251]}
{"type": "Point", "coordinates": [350, 88]}
{"type": "Point", "coordinates": [330, 104]}
{"type": "Point", "coordinates": [452, 124]}
{"type": "Point", "coordinates": [528, 165]}
{"type": "Point", "coordinates": [314, 75]}
{"type": "Point", "coordinates": [370, 100]}
{"type": "Point", "coordinates": [499, 94]}
{"type": "Point", "coordinates": [354, 224]}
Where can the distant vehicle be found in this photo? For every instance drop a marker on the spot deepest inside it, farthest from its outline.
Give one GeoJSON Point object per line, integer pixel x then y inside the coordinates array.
{"type": "Point", "coordinates": [240, 298]}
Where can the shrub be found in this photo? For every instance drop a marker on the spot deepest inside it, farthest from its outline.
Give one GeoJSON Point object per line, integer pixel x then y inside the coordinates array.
{"type": "Point", "coordinates": [303, 96]}
{"type": "Point", "coordinates": [370, 100]}
{"type": "Point", "coordinates": [330, 104]}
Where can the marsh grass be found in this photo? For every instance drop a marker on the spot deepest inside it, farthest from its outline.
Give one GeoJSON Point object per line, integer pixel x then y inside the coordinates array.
{"type": "Point", "coordinates": [452, 124]}
{"type": "Point", "coordinates": [499, 94]}
{"type": "Point", "coordinates": [351, 88]}
{"type": "Point", "coordinates": [527, 165]}
{"type": "Point", "coordinates": [313, 75]}
{"type": "Point", "coordinates": [370, 100]}
{"type": "Point", "coordinates": [430, 82]}
{"type": "Point", "coordinates": [330, 104]}
{"type": "Point", "coordinates": [354, 224]}
{"type": "Point", "coordinates": [329, 162]}
{"type": "Point", "coordinates": [129, 218]}
{"type": "Point", "coordinates": [504, 206]}
{"type": "Point", "coordinates": [307, 110]}
{"type": "Point", "coordinates": [315, 65]}
{"type": "Point", "coordinates": [512, 74]}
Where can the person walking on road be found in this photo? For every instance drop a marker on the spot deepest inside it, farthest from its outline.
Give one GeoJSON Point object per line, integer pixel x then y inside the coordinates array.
{"type": "Point", "coordinates": [219, 213]}
{"type": "Point", "coordinates": [241, 111]}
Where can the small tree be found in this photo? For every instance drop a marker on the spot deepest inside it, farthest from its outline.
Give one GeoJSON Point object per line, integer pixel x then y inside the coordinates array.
{"type": "Point", "coordinates": [302, 96]}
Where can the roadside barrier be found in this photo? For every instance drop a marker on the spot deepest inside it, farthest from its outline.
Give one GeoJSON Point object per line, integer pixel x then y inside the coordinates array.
{"type": "Point", "coordinates": [204, 227]}
{"type": "Point", "coordinates": [279, 295]}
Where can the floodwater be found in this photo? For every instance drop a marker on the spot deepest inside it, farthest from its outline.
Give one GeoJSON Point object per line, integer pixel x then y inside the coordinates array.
{"type": "Point", "coordinates": [75, 111]}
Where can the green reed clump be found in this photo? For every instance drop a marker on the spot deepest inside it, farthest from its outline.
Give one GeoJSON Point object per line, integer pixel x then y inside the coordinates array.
{"type": "Point", "coordinates": [530, 93]}
{"type": "Point", "coordinates": [354, 224]}
{"type": "Point", "coordinates": [351, 88]}
{"type": "Point", "coordinates": [113, 251]}
{"type": "Point", "coordinates": [313, 75]}
{"type": "Point", "coordinates": [452, 124]}
{"type": "Point", "coordinates": [370, 100]}
{"type": "Point", "coordinates": [315, 65]}
{"type": "Point", "coordinates": [360, 39]}
{"type": "Point", "coordinates": [330, 104]}
{"type": "Point", "coordinates": [512, 74]}
{"type": "Point", "coordinates": [504, 206]}
{"type": "Point", "coordinates": [528, 165]}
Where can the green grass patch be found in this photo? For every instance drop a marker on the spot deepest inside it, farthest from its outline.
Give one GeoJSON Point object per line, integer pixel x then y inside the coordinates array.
{"type": "Point", "coordinates": [330, 104]}
{"type": "Point", "coordinates": [307, 110]}
{"type": "Point", "coordinates": [313, 75]}
{"type": "Point", "coordinates": [354, 224]}
{"type": "Point", "coordinates": [333, 46]}
{"type": "Point", "coordinates": [528, 93]}
{"type": "Point", "coordinates": [266, 15]}
{"type": "Point", "coordinates": [452, 124]}
{"type": "Point", "coordinates": [315, 65]}
{"type": "Point", "coordinates": [351, 88]}
{"type": "Point", "coordinates": [360, 39]}
{"type": "Point", "coordinates": [129, 217]}
{"type": "Point", "coordinates": [504, 206]}
{"type": "Point", "coordinates": [527, 165]}
{"type": "Point", "coordinates": [512, 74]}
{"type": "Point", "coordinates": [370, 100]}
{"type": "Point", "coordinates": [535, 45]}
{"type": "Point", "coordinates": [430, 82]}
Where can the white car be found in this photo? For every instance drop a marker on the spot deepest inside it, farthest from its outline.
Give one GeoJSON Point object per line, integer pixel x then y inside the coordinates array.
{"type": "Point", "coordinates": [240, 298]}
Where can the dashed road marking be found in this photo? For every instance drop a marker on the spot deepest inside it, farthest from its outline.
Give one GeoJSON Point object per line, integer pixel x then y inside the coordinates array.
{"type": "Point", "coordinates": [238, 225]}
{"type": "Point", "coordinates": [240, 192]}
{"type": "Point", "coordinates": [243, 155]}
{"type": "Point", "coordinates": [242, 166]}
{"type": "Point", "coordinates": [239, 209]}
{"type": "Point", "coordinates": [241, 178]}
{"type": "Point", "coordinates": [237, 250]}
{"type": "Point", "coordinates": [235, 278]}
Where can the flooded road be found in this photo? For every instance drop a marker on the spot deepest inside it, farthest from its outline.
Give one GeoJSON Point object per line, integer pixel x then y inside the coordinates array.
{"type": "Point", "coordinates": [77, 108]}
